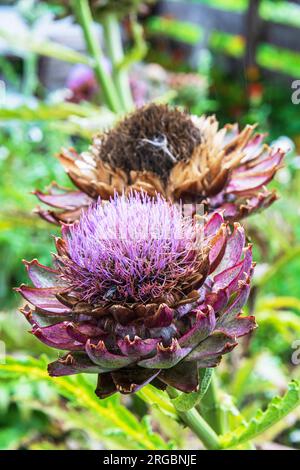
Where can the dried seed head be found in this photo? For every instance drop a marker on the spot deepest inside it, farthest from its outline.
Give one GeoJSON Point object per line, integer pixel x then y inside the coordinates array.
{"type": "Point", "coordinates": [134, 248]}
{"type": "Point", "coordinates": [153, 138]}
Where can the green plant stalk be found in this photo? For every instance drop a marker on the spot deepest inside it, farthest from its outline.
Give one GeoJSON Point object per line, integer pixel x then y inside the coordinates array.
{"type": "Point", "coordinates": [115, 51]}
{"type": "Point", "coordinates": [139, 48]}
{"type": "Point", "coordinates": [197, 424]}
{"type": "Point", "coordinates": [210, 408]}
{"type": "Point", "coordinates": [30, 74]}
{"type": "Point", "coordinates": [151, 395]}
{"type": "Point", "coordinates": [84, 16]}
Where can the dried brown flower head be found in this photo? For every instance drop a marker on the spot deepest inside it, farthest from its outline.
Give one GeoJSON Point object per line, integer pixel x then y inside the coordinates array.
{"type": "Point", "coordinates": [159, 149]}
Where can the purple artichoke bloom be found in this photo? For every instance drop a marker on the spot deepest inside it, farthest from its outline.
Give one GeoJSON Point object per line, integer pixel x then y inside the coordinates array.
{"type": "Point", "coordinates": [82, 83]}
{"type": "Point", "coordinates": [140, 293]}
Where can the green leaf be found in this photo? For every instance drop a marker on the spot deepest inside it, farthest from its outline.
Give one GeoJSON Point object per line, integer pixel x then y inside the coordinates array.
{"type": "Point", "coordinates": [281, 262]}
{"type": "Point", "coordinates": [278, 408]}
{"type": "Point", "coordinates": [27, 43]}
{"type": "Point", "coordinates": [79, 390]}
{"type": "Point", "coordinates": [170, 427]}
{"type": "Point", "coordinates": [48, 112]}
{"type": "Point", "coordinates": [186, 401]}
{"type": "Point", "coordinates": [240, 382]}
{"type": "Point", "coordinates": [9, 437]}
{"type": "Point", "coordinates": [83, 120]}
{"type": "Point", "coordinates": [153, 396]}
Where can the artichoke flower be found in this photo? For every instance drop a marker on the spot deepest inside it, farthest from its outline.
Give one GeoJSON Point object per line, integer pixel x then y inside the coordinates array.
{"type": "Point", "coordinates": [140, 293]}
{"type": "Point", "coordinates": [163, 150]}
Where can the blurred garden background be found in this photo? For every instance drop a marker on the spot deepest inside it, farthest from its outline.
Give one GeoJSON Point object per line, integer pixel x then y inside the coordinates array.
{"type": "Point", "coordinates": [238, 59]}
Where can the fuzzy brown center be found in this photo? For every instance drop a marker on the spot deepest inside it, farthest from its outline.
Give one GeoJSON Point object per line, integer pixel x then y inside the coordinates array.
{"type": "Point", "coordinates": [153, 138]}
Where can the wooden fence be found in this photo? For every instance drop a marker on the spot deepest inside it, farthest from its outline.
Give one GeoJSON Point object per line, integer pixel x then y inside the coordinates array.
{"type": "Point", "coordinates": [248, 25]}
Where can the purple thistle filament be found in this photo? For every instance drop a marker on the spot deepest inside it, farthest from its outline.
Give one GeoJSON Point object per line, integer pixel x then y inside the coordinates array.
{"type": "Point", "coordinates": [135, 248]}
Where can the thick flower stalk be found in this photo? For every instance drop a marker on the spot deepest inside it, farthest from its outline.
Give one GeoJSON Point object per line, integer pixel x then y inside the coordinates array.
{"type": "Point", "coordinates": [140, 293]}
{"type": "Point", "coordinates": [163, 150]}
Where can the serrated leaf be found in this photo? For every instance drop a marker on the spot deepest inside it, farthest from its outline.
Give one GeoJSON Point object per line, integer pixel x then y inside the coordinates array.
{"type": "Point", "coordinates": [9, 437]}
{"type": "Point", "coordinates": [80, 392]}
{"type": "Point", "coordinates": [278, 408]}
{"type": "Point", "coordinates": [186, 401]}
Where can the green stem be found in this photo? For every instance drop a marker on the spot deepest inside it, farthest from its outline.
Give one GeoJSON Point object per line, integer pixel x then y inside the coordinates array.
{"type": "Point", "coordinates": [210, 407]}
{"type": "Point", "coordinates": [115, 51]}
{"type": "Point", "coordinates": [30, 74]}
{"type": "Point", "coordinates": [84, 16]}
{"type": "Point", "coordinates": [197, 424]}
{"type": "Point", "coordinates": [152, 395]}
